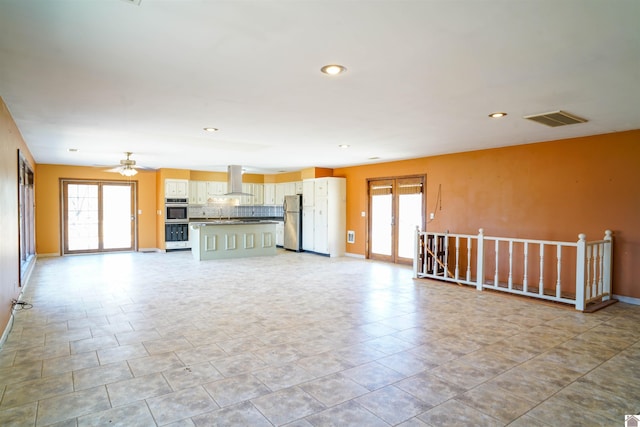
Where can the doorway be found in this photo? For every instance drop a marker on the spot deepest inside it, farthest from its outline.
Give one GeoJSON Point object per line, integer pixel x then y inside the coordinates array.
{"type": "Point", "coordinates": [98, 216]}
{"type": "Point", "coordinates": [396, 207]}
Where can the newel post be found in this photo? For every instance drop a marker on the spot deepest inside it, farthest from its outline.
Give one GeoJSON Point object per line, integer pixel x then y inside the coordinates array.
{"type": "Point", "coordinates": [480, 260]}
{"type": "Point", "coordinates": [606, 268]}
{"type": "Point", "coordinates": [581, 258]}
{"type": "Point", "coordinates": [416, 251]}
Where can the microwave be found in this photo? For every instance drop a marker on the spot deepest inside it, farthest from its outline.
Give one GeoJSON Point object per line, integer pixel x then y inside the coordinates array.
{"type": "Point", "coordinates": [176, 210]}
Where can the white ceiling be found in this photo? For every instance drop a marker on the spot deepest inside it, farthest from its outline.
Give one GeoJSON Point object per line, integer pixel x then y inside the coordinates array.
{"type": "Point", "coordinates": [108, 76]}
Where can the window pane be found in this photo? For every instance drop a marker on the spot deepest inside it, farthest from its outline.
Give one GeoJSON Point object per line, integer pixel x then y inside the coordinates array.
{"type": "Point", "coordinates": [82, 222]}
{"type": "Point", "coordinates": [116, 216]}
{"type": "Point", "coordinates": [410, 216]}
{"type": "Point", "coordinates": [381, 218]}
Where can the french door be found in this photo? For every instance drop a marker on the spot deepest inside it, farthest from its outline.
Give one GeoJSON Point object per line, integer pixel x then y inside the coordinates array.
{"type": "Point", "coordinates": [98, 216]}
{"type": "Point", "coordinates": [396, 208]}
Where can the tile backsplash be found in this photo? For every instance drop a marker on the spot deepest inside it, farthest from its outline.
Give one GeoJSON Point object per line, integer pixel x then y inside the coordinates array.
{"type": "Point", "coordinates": [231, 211]}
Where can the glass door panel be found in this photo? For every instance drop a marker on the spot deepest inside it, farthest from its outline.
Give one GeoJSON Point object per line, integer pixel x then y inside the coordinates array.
{"type": "Point", "coordinates": [396, 207]}
{"type": "Point", "coordinates": [116, 217]}
{"type": "Point", "coordinates": [98, 216]}
{"type": "Point", "coordinates": [82, 217]}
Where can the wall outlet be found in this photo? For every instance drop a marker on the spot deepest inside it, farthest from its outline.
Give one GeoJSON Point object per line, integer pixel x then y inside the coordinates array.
{"type": "Point", "coordinates": [432, 215]}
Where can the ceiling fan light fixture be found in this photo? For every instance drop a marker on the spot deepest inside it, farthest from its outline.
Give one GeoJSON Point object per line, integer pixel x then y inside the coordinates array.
{"type": "Point", "coordinates": [128, 171]}
{"type": "Point", "coordinates": [333, 69]}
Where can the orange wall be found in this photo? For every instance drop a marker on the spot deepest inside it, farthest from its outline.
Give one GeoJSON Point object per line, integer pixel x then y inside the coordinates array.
{"type": "Point", "coordinates": [551, 190]}
{"type": "Point", "coordinates": [10, 142]}
{"type": "Point", "coordinates": [48, 238]}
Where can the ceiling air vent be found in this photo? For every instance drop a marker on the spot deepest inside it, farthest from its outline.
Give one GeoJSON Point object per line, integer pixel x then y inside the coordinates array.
{"type": "Point", "coordinates": [556, 118]}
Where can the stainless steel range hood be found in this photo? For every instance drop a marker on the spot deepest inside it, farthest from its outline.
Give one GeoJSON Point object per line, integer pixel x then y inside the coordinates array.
{"type": "Point", "coordinates": [234, 181]}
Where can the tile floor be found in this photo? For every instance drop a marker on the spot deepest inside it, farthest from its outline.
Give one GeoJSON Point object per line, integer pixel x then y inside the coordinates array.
{"type": "Point", "coordinates": [146, 339]}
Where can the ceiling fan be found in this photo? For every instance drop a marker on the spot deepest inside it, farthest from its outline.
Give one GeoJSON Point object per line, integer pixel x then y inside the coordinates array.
{"type": "Point", "coordinates": [127, 166]}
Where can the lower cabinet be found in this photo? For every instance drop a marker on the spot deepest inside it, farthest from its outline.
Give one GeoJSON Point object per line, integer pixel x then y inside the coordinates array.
{"type": "Point", "coordinates": [280, 233]}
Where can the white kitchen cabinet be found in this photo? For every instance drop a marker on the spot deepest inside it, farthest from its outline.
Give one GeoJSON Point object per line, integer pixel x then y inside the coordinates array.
{"type": "Point", "coordinates": [298, 187]}
{"type": "Point", "coordinates": [280, 233]}
{"type": "Point", "coordinates": [308, 213]}
{"type": "Point", "coordinates": [280, 192]}
{"type": "Point", "coordinates": [324, 225]}
{"type": "Point", "coordinates": [197, 192]}
{"type": "Point", "coordinates": [216, 189]}
{"type": "Point", "coordinates": [308, 192]}
{"type": "Point", "coordinates": [176, 188]}
{"type": "Point", "coordinates": [258, 194]}
{"type": "Point", "coordinates": [270, 194]}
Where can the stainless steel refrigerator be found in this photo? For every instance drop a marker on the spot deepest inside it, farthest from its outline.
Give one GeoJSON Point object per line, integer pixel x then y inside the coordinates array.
{"type": "Point", "coordinates": [293, 222]}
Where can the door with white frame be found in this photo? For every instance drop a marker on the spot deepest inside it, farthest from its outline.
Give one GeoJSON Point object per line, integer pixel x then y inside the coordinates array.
{"type": "Point", "coordinates": [396, 207]}
{"type": "Point", "coordinates": [98, 216]}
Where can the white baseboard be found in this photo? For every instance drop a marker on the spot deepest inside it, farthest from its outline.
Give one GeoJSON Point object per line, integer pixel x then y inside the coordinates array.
{"type": "Point", "coordinates": [628, 300]}
{"type": "Point", "coordinates": [150, 250]}
{"type": "Point", "coordinates": [53, 254]}
{"type": "Point", "coordinates": [354, 255]}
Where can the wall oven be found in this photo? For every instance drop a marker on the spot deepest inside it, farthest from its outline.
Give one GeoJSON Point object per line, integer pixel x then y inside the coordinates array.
{"type": "Point", "coordinates": [176, 227]}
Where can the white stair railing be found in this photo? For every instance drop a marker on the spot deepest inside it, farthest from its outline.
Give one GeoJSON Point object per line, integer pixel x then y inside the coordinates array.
{"type": "Point", "coordinates": [580, 273]}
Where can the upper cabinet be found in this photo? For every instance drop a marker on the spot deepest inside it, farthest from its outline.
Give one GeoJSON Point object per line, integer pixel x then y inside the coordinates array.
{"type": "Point", "coordinates": [197, 192]}
{"type": "Point", "coordinates": [269, 194]}
{"type": "Point", "coordinates": [216, 189]}
{"type": "Point", "coordinates": [176, 188]}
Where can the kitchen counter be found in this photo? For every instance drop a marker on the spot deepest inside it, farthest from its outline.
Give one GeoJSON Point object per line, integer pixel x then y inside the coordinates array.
{"type": "Point", "coordinates": [232, 238]}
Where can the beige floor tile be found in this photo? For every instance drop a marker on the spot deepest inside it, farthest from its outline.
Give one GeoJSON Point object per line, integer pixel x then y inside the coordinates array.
{"type": "Point", "coordinates": [24, 415]}
{"type": "Point", "coordinates": [242, 414]}
{"type": "Point", "coordinates": [453, 412]}
{"type": "Point", "coordinates": [490, 399]}
{"type": "Point", "coordinates": [181, 404]}
{"type": "Point", "coordinates": [283, 376]}
{"type": "Point", "coordinates": [363, 336]}
{"type": "Point", "coordinates": [134, 415]}
{"type": "Point", "coordinates": [346, 414]}
{"type": "Point", "coordinates": [373, 375]}
{"type": "Point", "coordinates": [334, 389]}
{"type": "Point", "coordinates": [231, 391]}
{"type": "Point", "coordinates": [120, 353]}
{"type": "Point", "coordinates": [100, 375]}
{"type": "Point", "coordinates": [154, 363]}
{"type": "Point", "coordinates": [287, 405]}
{"type": "Point", "coordinates": [63, 364]}
{"type": "Point", "coordinates": [393, 405]}
{"type": "Point", "coordinates": [68, 406]}
{"type": "Point", "coordinates": [139, 388]}
{"type": "Point", "coordinates": [188, 376]}
{"type": "Point", "coordinates": [33, 390]}
{"type": "Point", "coordinates": [429, 388]}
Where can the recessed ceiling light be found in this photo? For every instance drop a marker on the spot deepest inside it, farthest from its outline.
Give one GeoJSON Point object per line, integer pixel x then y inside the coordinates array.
{"type": "Point", "coordinates": [374, 158]}
{"type": "Point", "coordinates": [72, 150]}
{"type": "Point", "coordinates": [333, 69]}
{"type": "Point", "coordinates": [343, 146]}
{"type": "Point", "coordinates": [211, 129]}
{"type": "Point", "coordinates": [497, 115]}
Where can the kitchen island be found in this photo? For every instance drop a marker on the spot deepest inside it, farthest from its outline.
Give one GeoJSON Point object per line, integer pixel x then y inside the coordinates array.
{"type": "Point", "coordinates": [224, 239]}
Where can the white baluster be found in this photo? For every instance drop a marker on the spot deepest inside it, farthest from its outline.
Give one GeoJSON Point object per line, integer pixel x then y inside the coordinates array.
{"type": "Point", "coordinates": [495, 277]}
{"type": "Point", "coordinates": [435, 264]}
{"type": "Point", "coordinates": [559, 258]}
{"type": "Point", "coordinates": [601, 270]}
{"type": "Point", "coordinates": [594, 278]}
{"type": "Point", "coordinates": [468, 259]}
{"type": "Point", "coordinates": [445, 273]}
{"type": "Point", "coordinates": [580, 272]}
{"type": "Point", "coordinates": [541, 283]}
{"type": "Point", "coordinates": [524, 277]}
{"type": "Point", "coordinates": [457, 272]}
{"type": "Point", "coordinates": [587, 283]}
{"type": "Point", "coordinates": [606, 271]}
{"type": "Point", "coordinates": [510, 264]}
{"type": "Point", "coordinates": [480, 261]}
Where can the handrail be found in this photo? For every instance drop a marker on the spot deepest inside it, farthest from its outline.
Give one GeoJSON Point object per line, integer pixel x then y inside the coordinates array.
{"type": "Point", "coordinates": [575, 273]}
